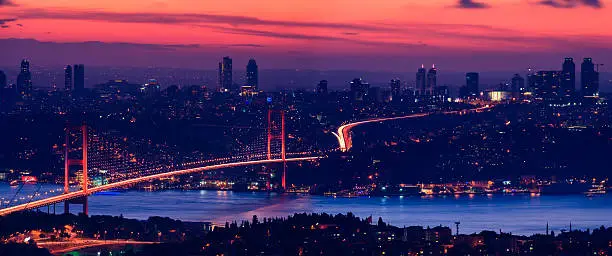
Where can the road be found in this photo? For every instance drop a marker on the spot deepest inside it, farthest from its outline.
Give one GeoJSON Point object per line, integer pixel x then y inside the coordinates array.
{"type": "Point", "coordinates": [78, 244]}
{"type": "Point", "coordinates": [344, 132]}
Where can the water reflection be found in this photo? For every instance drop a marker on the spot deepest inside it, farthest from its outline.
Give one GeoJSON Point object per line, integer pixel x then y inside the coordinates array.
{"type": "Point", "coordinates": [520, 213]}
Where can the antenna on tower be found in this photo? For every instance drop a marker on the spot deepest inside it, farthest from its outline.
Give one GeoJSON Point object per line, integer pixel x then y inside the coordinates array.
{"type": "Point", "coordinates": [457, 224]}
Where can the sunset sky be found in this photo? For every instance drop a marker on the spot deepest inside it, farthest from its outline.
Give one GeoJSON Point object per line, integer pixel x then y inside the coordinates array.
{"type": "Point", "coordinates": [329, 34]}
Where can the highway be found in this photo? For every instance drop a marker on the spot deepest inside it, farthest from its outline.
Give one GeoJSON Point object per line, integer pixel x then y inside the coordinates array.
{"type": "Point", "coordinates": [128, 182]}
{"type": "Point", "coordinates": [60, 247]}
{"type": "Point", "coordinates": [344, 132]}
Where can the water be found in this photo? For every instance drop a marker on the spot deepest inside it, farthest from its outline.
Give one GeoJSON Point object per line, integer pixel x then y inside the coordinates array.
{"type": "Point", "coordinates": [519, 214]}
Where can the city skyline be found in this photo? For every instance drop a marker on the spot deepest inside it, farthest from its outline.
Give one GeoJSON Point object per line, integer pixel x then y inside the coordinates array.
{"type": "Point", "coordinates": [456, 35]}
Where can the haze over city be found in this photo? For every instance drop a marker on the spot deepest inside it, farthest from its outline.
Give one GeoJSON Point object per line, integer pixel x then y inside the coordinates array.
{"type": "Point", "coordinates": [457, 35]}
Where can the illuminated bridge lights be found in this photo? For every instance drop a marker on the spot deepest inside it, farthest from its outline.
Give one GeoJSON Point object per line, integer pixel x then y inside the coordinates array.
{"type": "Point", "coordinates": [124, 183]}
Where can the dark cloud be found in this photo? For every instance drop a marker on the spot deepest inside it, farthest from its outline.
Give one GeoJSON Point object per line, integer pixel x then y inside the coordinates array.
{"type": "Point", "coordinates": [163, 47]}
{"type": "Point", "coordinates": [6, 21]}
{"type": "Point", "coordinates": [247, 45]}
{"type": "Point", "coordinates": [7, 3]}
{"type": "Point", "coordinates": [471, 4]}
{"type": "Point", "coordinates": [571, 3]}
{"type": "Point", "coordinates": [350, 33]}
{"type": "Point", "coordinates": [4, 26]}
{"type": "Point", "coordinates": [285, 35]}
{"type": "Point", "coordinates": [184, 18]}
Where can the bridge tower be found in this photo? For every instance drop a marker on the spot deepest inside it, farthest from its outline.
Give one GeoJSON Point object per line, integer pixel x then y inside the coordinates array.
{"type": "Point", "coordinates": [275, 134]}
{"type": "Point", "coordinates": [68, 162]}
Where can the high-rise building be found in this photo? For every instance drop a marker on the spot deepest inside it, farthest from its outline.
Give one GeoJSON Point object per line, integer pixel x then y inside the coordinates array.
{"type": "Point", "coordinates": [589, 78]}
{"type": "Point", "coordinates": [24, 79]}
{"type": "Point", "coordinates": [322, 87]}
{"type": "Point", "coordinates": [2, 80]}
{"type": "Point", "coordinates": [531, 79]}
{"type": "Point", "coordinates": [252, 74]}
{"type": "Point", "coordinates": [421, 79]}
{"type": "Point", "coordinates": [225, 74]}
{"type": "Point", "coordinates": [432, 78]}
{"type": "Point", "coordinates": [472, 83]}
{"type": "Point", "coordinates": [359, 89]}
{"type": "Point", "coordinates": [518, 84]}
{"type": "Point", "coordinates": [547, 84]}
{"type": "Point", "coordinates": [568, 77]}
{"type": "Point", "coordinates": [396, 88]}
{"type": "Point", "coordinates": [79, 78]}
{"type": "Point", "coordinates": [68, 78]}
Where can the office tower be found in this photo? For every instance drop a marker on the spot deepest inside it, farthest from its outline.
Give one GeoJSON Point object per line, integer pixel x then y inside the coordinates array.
{"type": "Point", "coordinates": [421, 81]}
{"type": "Point", "coordinates": [531, 79]}
{"type": "Point", "coordinates": [79, 78]}
{"type": "Point", "coordinates": [472, 82]}
{"type": "Point", "coordinates": [396, 88]}
{"type": "Point", "coordinates": [589, 78]}
{"type": "Point", "coordinates": [68, 78]}
{"type": "Point", "coordinates": [24, 79]}
{"type": "Point", "coordinates": [322, 87]}
{"type": "Point", "coordinates": [2, 80]}
{"type": "Point", "coordinates": [252, 74]}
{"type": "Point", "coordinates": [568, 77]}
{"type": "Point", "coordinates": [225, 74]}
{"type": "Point", "coordinates": [359, 89]}
{"type": "Point", "coordinates": [518, 84]}
{"type": "Point", "coordinates": [432, 78]}
{"type": "Point", "coordinates": [547, 84]}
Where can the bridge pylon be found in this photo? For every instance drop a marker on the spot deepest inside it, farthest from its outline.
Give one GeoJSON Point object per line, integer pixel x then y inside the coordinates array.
{"type": "Point", "coordinates": [68, 162]}
{"type": "Point", "coordinates": [274, 134]}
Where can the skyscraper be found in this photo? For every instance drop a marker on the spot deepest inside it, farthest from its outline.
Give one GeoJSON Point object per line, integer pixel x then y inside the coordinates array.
{"type": "Point", "coordinates": [79, 78]}
{"type": "Point", "coordinates": [225, 74]}
{"type": "Point", "coordinates": [421, 81]}
{"type": "Point", "coordinates": [24, 79]}
{"type": "Point", "coordinates": [68, 78]}
{"type": "Point", "coordinates": [2, 80]}
{"type": "Point", "coordinates": [589, 78]}
{"type": "Point", "coordinates": [472, 82]}
{"type": "Point", "coordinates": [252, 74]}
{"type": "Point", "coordinates": [359, 89]}
{"type": "Point", "coordinates": [568, 77]}
{"type": "Point", "coordinates": [432, 78]}
{"type": "Point", "coordinates": [396, 88]}
{"type": "Point", "coordinates": [518, 84]}
{"type": "Point", "coordinates": [322, 87]}
{"type": "Point", "coordinates": [547, 84]}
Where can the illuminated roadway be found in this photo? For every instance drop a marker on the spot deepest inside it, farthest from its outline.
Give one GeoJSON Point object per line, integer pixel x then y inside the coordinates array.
{"type": "Point", "coordinates": [58, 247]}
{"type": "Point", "coordinates": [344, 132]}
{"type": "Point", "coordinates": [128, 182]}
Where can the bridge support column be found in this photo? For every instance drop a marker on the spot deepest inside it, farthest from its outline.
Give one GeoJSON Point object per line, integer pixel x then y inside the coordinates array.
{"type": "Point", "coordinates": [76, 162]}
{"type": "Point", "coordinates": [81, 200]}
{"type": "Point", "coordinates": [273, 134]}
{"type": "Point", "coordinates": [283, 153]}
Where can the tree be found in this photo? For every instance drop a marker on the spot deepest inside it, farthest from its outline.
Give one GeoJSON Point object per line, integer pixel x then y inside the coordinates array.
{"type": "Point", "coordinates": [381, 224]}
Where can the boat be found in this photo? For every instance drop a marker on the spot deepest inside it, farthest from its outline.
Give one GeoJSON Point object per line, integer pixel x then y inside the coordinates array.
{"type": "Point", "coordinates": [14, 183]}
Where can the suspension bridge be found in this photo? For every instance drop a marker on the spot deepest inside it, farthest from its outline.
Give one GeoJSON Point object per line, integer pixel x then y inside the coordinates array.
{"type": "Point", "coordinates": [107, 156]}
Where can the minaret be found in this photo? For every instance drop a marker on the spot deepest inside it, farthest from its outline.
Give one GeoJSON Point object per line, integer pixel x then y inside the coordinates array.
{"type": "Point", "coordinates": [547, 228]}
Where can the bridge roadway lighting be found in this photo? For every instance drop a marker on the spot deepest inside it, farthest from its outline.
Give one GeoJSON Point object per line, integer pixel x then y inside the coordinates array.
{"type": "Point", "coordinates": [81, 193]}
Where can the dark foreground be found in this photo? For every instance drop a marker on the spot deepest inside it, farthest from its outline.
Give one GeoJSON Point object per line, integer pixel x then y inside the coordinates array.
{"type": "Point", "coordinates": [300, 234]}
